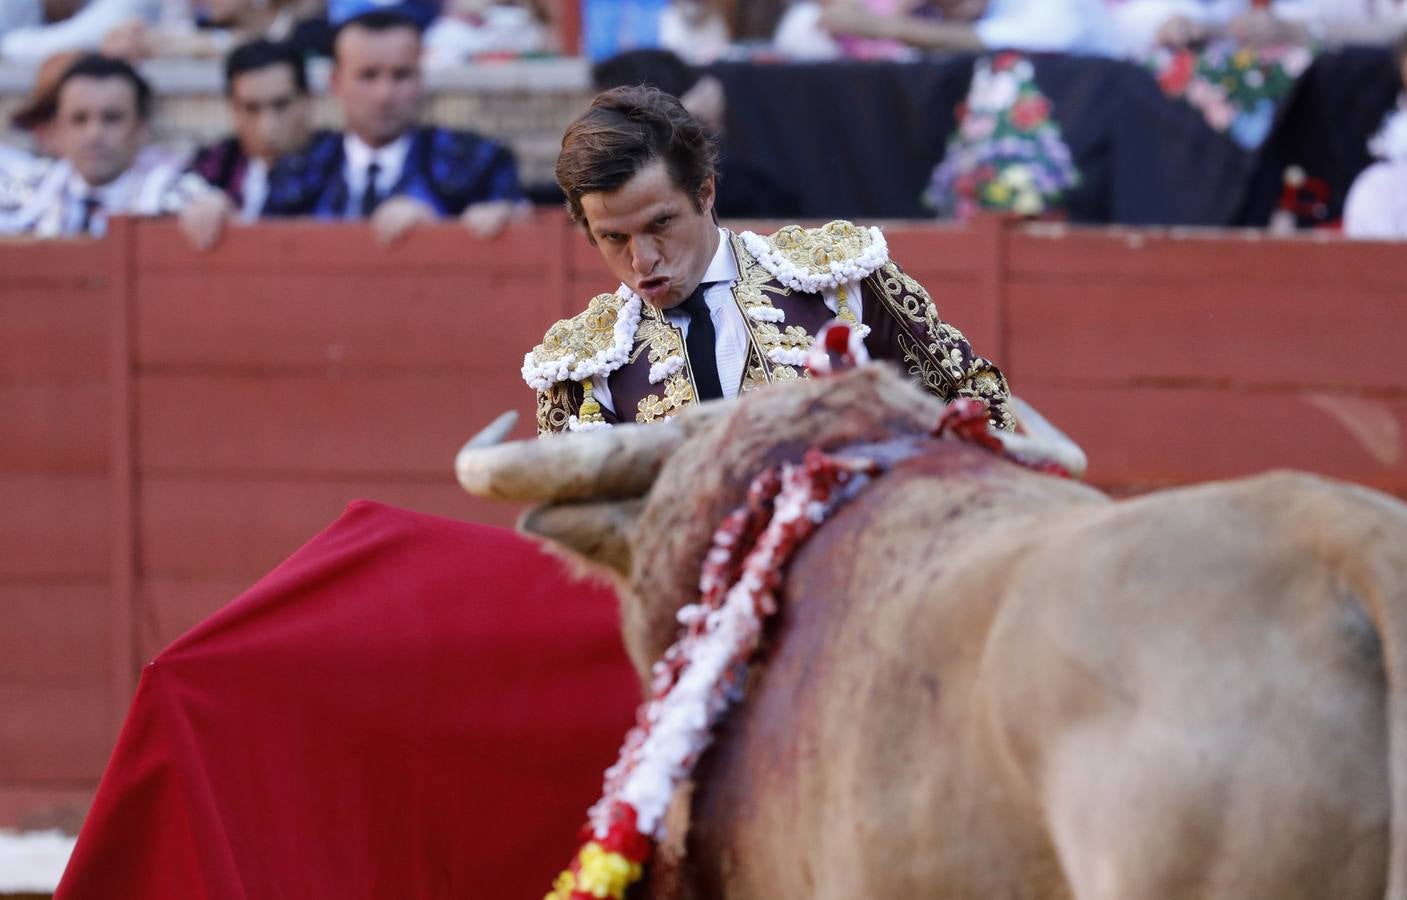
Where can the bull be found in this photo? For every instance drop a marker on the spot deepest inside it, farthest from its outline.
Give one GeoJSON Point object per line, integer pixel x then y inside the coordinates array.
{"type": "Point", "coordinates": [986, 682]}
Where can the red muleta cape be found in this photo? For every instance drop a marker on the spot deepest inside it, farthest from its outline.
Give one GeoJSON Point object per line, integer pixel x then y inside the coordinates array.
{"type": "Point", "coordinates": [408, 707]}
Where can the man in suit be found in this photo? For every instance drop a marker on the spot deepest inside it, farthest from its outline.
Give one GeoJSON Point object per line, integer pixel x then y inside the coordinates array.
{"type": "Point", "coordinates": [104, 167]}
{"type": "Point", "coordinates": [267, 87]}
{"type": "Point", "coordinates": [385, 167]}
{"type": "Point", "coordinates": [704, 313]}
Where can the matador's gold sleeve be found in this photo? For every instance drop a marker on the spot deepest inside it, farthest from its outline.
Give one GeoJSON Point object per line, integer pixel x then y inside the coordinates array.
{"type": "Point", "coordinates": [934, 352]}
{"type": "Point", "coordinates": [556, 405]}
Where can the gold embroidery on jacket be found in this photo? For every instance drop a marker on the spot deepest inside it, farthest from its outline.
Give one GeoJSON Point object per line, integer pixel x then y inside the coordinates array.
{"type": "Point", "coordinates": [554, 407]}
{"type": "Point", "coordinates": [662, 340]}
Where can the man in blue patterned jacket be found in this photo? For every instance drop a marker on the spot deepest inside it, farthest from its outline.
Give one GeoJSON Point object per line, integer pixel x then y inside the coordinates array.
{"type": "Point", "coordinates": [385, 167]}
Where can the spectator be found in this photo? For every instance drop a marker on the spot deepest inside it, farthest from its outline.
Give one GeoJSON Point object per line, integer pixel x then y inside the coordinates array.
{"type": "Point", "coordinates": [1182, 23]}
{"type": "Point", "coordinates": [100, 130]}
{"type": "Point", "coordinates": [1065, 26]}
{"type": "Point", "coordinates": [1145, 24]}
{"type": "Point", "coordinates": [742, 190]}
{"type": "Point", "coordinates": [36, 114]}
{"type": "Point", "coordinates": [87, 26]}
{"type": "Point", "coordinates": [695, 30]}
{"type": "Point", "coordinates": [1376, 206]}
{"type": "Point", "coordinates": [298, 22]}
{"type": "Point", "coordinates": [267, 87]}
{"type": "Point", "coordinates": [1332, 22]}
{"type": "Point", "coordinates": [474, 28]}
{"type": "Point", "coordinates": [385, 167]}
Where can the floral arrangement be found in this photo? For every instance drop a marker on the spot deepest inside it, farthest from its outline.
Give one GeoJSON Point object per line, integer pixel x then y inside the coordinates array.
{"type": "Point", "coordinates": [1008, 153]}
{"type": "Point", "coordinates": [1236, 89]}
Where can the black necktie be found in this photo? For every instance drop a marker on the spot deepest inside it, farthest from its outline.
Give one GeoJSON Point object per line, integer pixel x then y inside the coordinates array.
{"type": "Point", "coordinates": [701, 344]}
{"type": "Point", "coordinates": [91, 205]}
{"type": "Point", "coordinates": [369, 197]}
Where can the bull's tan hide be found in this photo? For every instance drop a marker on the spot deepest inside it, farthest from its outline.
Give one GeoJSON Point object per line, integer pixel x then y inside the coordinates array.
{"type": "Point", "coordinates": [989, 683]}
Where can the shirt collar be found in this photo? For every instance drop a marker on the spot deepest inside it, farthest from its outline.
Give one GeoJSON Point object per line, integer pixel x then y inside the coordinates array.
{"type": "Point", "coordinates": [391, 158]}
{"type": "Point", "coordinates": [78, 188]}
{"type": "Point", "coordinates": [724, 265]}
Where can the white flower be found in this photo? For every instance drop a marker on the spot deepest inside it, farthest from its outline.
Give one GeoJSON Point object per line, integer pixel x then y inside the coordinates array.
{"type": "Point", "coordinates": [662, 370]}
{"type": "Point", "coordinates": [837, 272]}
{"type": "Point", "coordinates": [993, 91]}
{"type": "Point", "coordinates": [542, 375]}
{"type": "Point", "coordinates": [575, 424]}
{"type": "Point", "coordinates": [784, 357]}
{"type": "Point", "coordinates": [766, 314]}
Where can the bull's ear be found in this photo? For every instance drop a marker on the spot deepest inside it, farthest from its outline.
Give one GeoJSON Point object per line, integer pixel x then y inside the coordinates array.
{"type": "Point", "coordinates": [598, 534]}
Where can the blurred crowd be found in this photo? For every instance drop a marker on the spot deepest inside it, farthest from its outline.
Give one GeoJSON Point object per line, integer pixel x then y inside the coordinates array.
{"type": "Point", "coordinates": [87, 118]}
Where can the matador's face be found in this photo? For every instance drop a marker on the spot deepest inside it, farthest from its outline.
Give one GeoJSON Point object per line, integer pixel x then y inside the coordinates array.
{"type": "Point", "coordinates": [655, 238]}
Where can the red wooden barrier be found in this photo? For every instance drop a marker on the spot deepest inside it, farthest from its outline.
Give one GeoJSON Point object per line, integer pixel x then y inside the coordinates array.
{"type": "Point", "coordinates": [176, 422]}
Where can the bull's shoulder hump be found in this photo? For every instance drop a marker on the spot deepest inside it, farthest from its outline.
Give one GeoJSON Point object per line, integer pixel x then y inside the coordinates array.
{"type": "Point", "coordinates": [595, 341]}
{"type": "Point", "coordinates": [815, 259]}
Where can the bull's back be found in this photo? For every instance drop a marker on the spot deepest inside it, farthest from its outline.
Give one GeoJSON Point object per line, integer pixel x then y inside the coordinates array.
{"type": "Point", "coordinates": [989, 684]}
{"type": "Point", "coordinates": [848, 771]}
{"type": "Point", "coordinates": [1193, 685]}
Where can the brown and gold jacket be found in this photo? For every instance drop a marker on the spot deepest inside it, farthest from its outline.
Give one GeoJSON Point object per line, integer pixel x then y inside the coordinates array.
{"type": "Point", "coordinates": [789, 285]}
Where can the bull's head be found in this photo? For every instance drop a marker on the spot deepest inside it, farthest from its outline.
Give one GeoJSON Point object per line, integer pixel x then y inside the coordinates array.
{"type": "Point", "coordinates": [640, 502]}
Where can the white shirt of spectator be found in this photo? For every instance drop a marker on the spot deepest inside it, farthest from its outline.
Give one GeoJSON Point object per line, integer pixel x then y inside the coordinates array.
{"type": "Point", "coordinates": [255, 189]}
{"type": "Point", "coordinates": [1376, 208]}
{"type": "Point", "coordinates": [731, 331]}
{"type": "Point", "coordinates": [1055, 26]}
{"type": "Point", "coordinates": [85, 29]}
{"type": "Point", "coordinates": [359, 156]}
{"type": "Point", "coordinates": [51, 203]}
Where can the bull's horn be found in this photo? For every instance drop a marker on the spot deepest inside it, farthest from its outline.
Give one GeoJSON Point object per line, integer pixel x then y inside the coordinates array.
{"type": "Point", "coordinates": [621, 461]}
{"type": "Point", "coordinates": [494, 432]}
{"type": "Point", "coordinates": [1042, 441]}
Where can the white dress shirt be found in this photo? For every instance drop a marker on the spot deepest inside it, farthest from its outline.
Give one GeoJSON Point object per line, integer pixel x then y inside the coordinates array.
{"type": "Point", "coordinates": [51, 203]}
{"type": "Point", "coordinates": [359, 157]}
{"type": "Point", "coordinates": [1056, 26]}
{"type": "Point", "coordinates": [730, 328]}
{"type": "Point", "coordinates": [255, 189]}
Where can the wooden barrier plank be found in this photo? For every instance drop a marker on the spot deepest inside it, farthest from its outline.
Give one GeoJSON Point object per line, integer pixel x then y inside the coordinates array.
{"type": "Point", "coordinates": [407, 423]}
{"type": "Point", "coordinates": [1151, 436]}
{"type": "Point", "coordinates": [348, 246]}
{"type": "Point", "coordinates": [55, 634]}
{"type": "Point", "coordinates": [52, 428]}
{"type": "Point", "coordinates": [172, 606]}
{"type": "Point", "coordinates": [53, 334]}
{"type": "Point", "coordinates": [1214, 332]}
{"type": "Point", "coordinates": [55, 525]}
{"type": "Point", "coordinates": [944, 250]}
{"type": "Point", "coordinates": [476, 320]}
{"type": "Point", "coordinates": [239, 529]}
{"type": "Point", "coordinates": [55, 733]}
{"type": "Point", "coordinates": [69, 262]}
{"type": "Point", "coordinates": [1089, 256]}
{"type": "Point", "coordinates": [40, 806]}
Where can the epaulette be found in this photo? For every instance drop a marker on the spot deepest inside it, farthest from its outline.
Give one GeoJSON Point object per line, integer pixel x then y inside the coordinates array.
{"type": "Point", "coordinates": [596, 341]}
{"type": "Point", "coordinates": [814, 259]}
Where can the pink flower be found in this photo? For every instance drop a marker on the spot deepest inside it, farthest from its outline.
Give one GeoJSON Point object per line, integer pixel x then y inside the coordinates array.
{"type": "Point", "coordinates": [978, 127]}
{"type": "Point", "coordinates": [1030, 112]}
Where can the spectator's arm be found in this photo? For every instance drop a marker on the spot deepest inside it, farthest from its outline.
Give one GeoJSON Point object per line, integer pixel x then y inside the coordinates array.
{"type": "Point", "coordinates": [927, 34]}
{"type": "Point", "coordinates": [83, 31]}
{"type": "Point", "coordinates": [1053, 26]}
{"type": "Point", "coordinates": [1338, 24]}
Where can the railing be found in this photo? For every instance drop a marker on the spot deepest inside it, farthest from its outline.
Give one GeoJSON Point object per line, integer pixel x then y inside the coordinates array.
{"type": "Point", "coordinates": [178, 422]}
